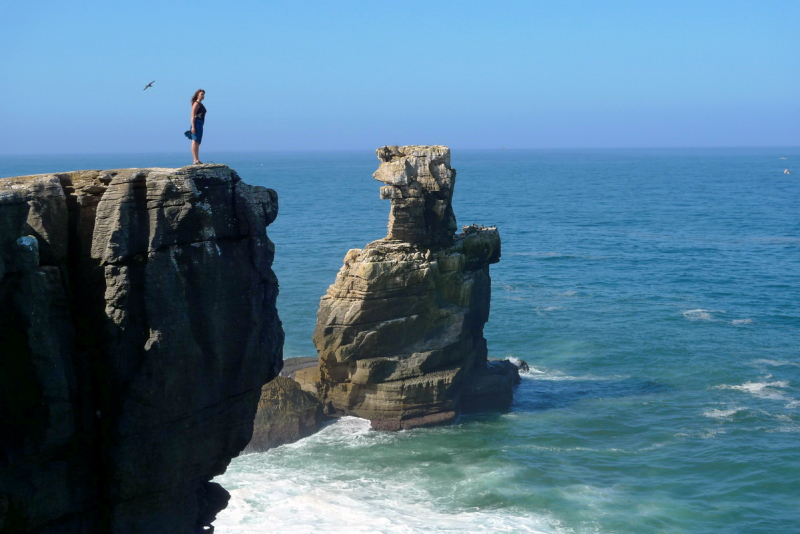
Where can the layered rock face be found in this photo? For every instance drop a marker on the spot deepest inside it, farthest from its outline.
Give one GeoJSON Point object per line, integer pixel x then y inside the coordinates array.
{"type": "Point", "coordinates": [139, 325]}
{"type": "Point", "coordinates": [400, 332]}
{"type": "Point", "coordinates": [285, 414]}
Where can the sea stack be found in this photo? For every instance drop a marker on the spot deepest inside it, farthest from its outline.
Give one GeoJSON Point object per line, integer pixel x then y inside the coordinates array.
{"type": "Point", "coordinates": [400, 333]}
{"type": "Point", "coordinates": [139, 325]}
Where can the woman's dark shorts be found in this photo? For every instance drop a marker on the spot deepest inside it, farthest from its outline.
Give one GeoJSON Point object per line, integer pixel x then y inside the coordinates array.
{"type": "Point", "coordinates": [198, 131]}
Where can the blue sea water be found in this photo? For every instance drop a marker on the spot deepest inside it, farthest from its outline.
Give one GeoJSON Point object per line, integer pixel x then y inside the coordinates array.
{"type": "Point", "coordinates": [655, 295]}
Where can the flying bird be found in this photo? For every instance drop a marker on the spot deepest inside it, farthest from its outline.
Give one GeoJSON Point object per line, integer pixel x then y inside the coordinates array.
{"type": "Point", "coordinates": [148, 85]}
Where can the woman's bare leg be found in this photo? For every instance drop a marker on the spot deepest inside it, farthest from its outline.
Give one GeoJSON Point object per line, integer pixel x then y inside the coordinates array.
{"type": "Point", "coordinates": [196, 150]}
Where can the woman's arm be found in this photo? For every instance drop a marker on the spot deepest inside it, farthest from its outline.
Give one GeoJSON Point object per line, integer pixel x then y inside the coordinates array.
{"type": "Point", "coordinates": [194, 111]}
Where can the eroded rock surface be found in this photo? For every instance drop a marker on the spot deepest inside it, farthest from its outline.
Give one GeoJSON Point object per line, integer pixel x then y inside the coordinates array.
{"type": "Point", "coordinates": [139, 325]}
{"type": "Point", "coordinates": [400, 332]}
{"type": "Point", "coordinates": [285, 414]}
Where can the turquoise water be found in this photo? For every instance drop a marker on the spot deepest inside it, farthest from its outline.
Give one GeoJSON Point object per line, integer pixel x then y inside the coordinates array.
{"type": "Point", "coordinates": [655, 295]}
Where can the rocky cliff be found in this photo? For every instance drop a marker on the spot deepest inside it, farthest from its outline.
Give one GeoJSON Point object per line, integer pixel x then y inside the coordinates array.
{"type": "Point", "coordinates": [400, 332]}
{"type": "Point", "coordinates": [138, 327]}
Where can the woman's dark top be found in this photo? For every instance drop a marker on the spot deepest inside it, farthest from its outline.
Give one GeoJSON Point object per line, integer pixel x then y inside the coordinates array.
{"type": "Point", "coordinates": [201, 112]}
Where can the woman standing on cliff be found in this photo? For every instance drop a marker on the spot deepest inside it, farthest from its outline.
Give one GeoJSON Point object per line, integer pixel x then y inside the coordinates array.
{"type": "Point", "coordinates": [198, 118]}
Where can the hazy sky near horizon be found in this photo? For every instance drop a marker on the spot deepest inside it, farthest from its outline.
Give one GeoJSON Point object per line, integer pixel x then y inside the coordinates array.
{"type": "Point", "coordinates": [324, 75]}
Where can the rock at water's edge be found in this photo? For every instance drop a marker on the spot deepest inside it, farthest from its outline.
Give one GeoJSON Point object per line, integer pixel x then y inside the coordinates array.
{"type": "Point", "coordinates": [285, 414]}
{"type": "Point", "coordinates": [400, 332]}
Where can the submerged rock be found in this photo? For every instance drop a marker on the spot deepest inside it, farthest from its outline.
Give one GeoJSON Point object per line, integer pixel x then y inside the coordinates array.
{"type": "Point", "coordinates": [139, 325]}
{"type": "Point", "coordinates": [400, 332]}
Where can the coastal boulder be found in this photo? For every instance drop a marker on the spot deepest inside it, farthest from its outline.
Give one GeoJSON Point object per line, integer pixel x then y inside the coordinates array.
{"type": "Point", "coordinates": [400, 332]}
{"type": "Point", "coordinates": [285, 414]}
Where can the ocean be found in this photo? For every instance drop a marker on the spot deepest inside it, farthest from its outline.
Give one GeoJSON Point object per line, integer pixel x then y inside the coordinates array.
{"type": "Point", "coordinates": [655, 295]}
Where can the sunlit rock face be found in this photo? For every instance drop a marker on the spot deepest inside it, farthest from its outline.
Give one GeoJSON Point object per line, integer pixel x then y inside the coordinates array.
{"type": "Point", "coordinates": [419, 182]}
{"type": "Point", "coordinates": [400, 332]}
{"type": "Point", "coordinates": [139, 325]}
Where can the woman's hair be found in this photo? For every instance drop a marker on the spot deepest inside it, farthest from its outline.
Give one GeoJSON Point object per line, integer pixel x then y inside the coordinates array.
{"type": "Point", "coordinates": [194, 97]}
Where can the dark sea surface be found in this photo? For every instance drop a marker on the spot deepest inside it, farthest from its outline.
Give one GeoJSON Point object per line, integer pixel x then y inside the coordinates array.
{"type": "Point", "coordinates": [655, 295]}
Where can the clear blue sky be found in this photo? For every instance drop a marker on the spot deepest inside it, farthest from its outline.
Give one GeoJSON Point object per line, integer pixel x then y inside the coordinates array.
{"type": "Point", "coordinates": [329, 75]}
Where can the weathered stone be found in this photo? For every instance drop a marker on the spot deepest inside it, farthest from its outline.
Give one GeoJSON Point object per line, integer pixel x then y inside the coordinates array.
{"type": "Point", "coordinates": [285, 414]}
{"type": "Point", "coordinates": [400, 332]}
{"type": "Point", "coordinates": [139, 326]}
{"type": "Point", "coordinates": [420, 185]}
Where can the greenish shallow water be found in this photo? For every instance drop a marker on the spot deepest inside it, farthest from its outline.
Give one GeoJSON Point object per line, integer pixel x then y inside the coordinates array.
{"type": "Point", "coordinates": [654, 294]}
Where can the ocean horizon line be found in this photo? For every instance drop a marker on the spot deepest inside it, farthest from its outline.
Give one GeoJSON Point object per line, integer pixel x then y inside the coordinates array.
{"type": "Point", "coordinates": [455, 149]}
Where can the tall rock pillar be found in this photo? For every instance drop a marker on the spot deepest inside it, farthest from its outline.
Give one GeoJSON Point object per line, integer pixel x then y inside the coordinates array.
{"type": "Point", "coordinates": [400, 332]}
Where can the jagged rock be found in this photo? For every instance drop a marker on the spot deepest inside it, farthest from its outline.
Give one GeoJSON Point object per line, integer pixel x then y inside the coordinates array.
{"type": "Point", "coordinates": [521, 365]}
{"type": "Point", "coordinates": [400, 332]}
{"type": "Point", "coordinates": [139, 326]}
{"type": "Point", "coordinates": [285, 414]}
{"type": "Point", "coordinates": [420, 185]}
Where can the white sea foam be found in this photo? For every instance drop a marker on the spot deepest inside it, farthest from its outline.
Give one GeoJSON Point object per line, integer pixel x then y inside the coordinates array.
{"type": "Point", "coordinates": [536, 371]}
{"type": "Point", "coordinates": [709, 315]}
{"type": "Point", "coordinates": [548, 374]}
{"type": "Point", "coordinates": [348, 510]}
{"type": "Point", "coordinates": [777, 363]}
{"type": "Point", "coordinates": [710, 433]}
{"type": "Point", "coordinates": [723, 414]}
{"type": "Point", "coordinates": [785, 429]}
{"type": "Point", "coordinates": [270, 492]}
{"type": "Point", "coordinates": [700, 315]}
{"type": "Point", "coordinates": [763, 390]}
{"type": "Point", "coordinates": [516, 361]}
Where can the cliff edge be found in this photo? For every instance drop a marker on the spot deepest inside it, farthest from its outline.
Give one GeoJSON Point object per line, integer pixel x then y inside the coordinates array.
{"type": "Point", "coordinates": [400, 332]}
{"type": "Point", "coordinates": [138, 327]}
